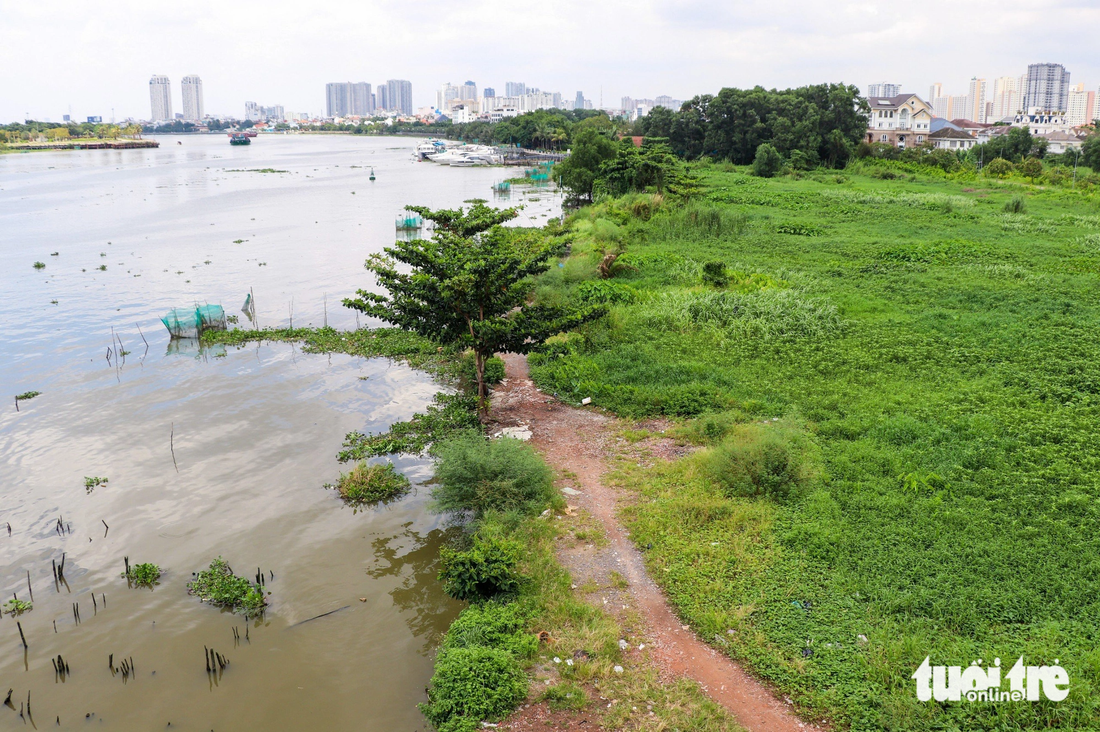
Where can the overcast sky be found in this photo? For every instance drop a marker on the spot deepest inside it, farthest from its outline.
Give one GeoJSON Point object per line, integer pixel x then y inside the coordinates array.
{"type": "Point", "coordinates": [94, 57]}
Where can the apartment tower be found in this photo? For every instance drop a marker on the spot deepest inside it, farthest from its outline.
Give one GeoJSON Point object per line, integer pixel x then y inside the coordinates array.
{"type": "Point", "coordinates": [160, 98]}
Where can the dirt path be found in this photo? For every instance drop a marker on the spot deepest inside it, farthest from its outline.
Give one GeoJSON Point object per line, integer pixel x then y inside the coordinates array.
{"type": "Point", "coordinates": [579, 441]}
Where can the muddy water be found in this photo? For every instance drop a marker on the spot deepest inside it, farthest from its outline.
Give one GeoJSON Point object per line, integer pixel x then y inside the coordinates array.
{"type": "Point", "coordinates": [254, 431]}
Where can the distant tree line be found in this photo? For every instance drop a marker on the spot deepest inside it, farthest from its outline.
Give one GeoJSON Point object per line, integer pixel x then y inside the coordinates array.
{"type": "Point", "coordinates": [546, 129]}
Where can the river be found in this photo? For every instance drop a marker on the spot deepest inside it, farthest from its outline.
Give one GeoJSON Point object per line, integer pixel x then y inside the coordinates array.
{"type": "Point", "coordinates": [254, 433]}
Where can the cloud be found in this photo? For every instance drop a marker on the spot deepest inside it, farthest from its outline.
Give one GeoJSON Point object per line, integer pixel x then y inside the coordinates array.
{"type": "Point", "coordinates": [54, 55]}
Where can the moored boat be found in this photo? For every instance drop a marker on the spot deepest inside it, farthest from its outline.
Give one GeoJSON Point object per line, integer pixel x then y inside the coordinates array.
{"type": "Point", "coordinates": [239, 138]}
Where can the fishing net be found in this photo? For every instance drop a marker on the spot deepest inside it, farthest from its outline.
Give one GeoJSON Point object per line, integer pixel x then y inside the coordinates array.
{"type": "Point", "coordinates": [211, 317]}
{"type": "Point", "coordinates": [191, 322]}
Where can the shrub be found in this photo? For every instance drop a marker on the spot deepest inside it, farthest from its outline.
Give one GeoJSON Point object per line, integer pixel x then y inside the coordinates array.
{"type": "Point", "coordinates": [145, 574]}
{"type": "Point", "coordinates": [493, 625]}
{"type": "Point", "coordinates": [1032, 168]}
{"type": "Point", "coordinates": [471, 685]}
{"type": "Point", "coordinates": [714, 274]}
{"type": "Point", "coordinates": [1017, 205]}
{"type": "Point", "coordinates": [603, 292]}
{"type": "Point", "coordinates": [371, 484]}
{"type": "Point", "coordinates": [756, 460]}
{"type": "Point", "coordinates": [486, 571]}
{"type": "Point", "coordinates": [478, 475]}
{"type": "Point", "coordinates": [767, 162]}
{"type": "Point", "coordinates": [999, 168]}
{"type": "Point", "coordinates": [219, 586]}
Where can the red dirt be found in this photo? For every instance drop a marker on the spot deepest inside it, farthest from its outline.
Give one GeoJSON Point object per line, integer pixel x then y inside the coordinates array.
{"type": "Point", "coordinates": [580, 441]}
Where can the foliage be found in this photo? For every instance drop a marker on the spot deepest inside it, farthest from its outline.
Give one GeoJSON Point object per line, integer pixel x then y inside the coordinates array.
{"type": "Point", "coordinates": [27, 395]}
{"type": "Point", "coordinates": [91, 483]}
{"type": "Point", "coordinates": [478, 475]}
{"type": "Point", "coordinates": [951, 492]}
{"type": "Point", "coordinates": [145, 574]}
{"type": "Point", "coordinates": [755, 460]}
{"type": "Point", "coordinates": [468, 286]}
{"type": "Point", "coordinates": [998, 168]}
{"type": "Point", "coordinates": [823, 123]}
{"type": "Point", "coordinates": [1090, 151]}
{"type": "Point", "coordinates": [652, 167]}
{"type": "Point", "coordinates": [768, 162]}
{"type": "Point", "coordinates": [486, 571]}
{"type": "Point", "coordinates": [494, 625]}
{"type": "Point", "coordinates": [447, 414]}
{"type": "Point", "coordinates": [371, 484]}
{"type": "Point", "coordinates": [218, 585]}
{"type": "Point", "coordinates": [1016, 205]}
{"type": "Point", "coordinates": [15, 606]}
{"type": "Point", "coordinates": [1013, 146]}
{"type": "Point", "coordinates": [39, 265]}
{"type": "Point", "coordinates": [474, 684]}
{"type": "Point", "coordinates": [715, 275]}
{"type": "Point", "coordinates": [578, 172]}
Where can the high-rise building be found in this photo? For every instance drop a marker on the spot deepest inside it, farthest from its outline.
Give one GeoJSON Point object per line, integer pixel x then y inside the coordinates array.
{"type": "Point", "coordinates": [381, 98]}
{"type": "Point", "coordinates": [399, 96]}
{"type": "Point", "coordinates": [1006, 98]}
{"type": "Point", "coordinates": [468, 91]}
{"type": "Point", "coordinates": [259, 113]}
{"type": "Point", "coordinates": [1081, 106]}
{"type": "Point", "coordinates": [489, 92]}
{"type": "Point", "coordinates": [446, 94]}
{"type": "Point", "coordinates": [160, 98]}
{"type": "Point", "coordinates": [958, 107]}
{"type": "Point", "coordinates": [976, 101]}
{"type": "Point", "coordinates": [338, 99]}
{"type": "Point", "coordinates": [359, 104]}
{"type": "Point", "coordinates": [578, 103]}
{"type": "Point", "coordinates": [666, 101]}
{"type": "Point", "coordinates": [192, 98]}
{"type": "Point", "coordinates": [884, 90]}
{"type": "Point", "coordinates": [1047, 87]}
{"type": "Point", "coordinates": [515, 89]}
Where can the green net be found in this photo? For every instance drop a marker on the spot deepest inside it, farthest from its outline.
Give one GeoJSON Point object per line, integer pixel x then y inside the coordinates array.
{"type": "Point", "coordinates": [191, 322]}
{"type": "Point", "coordinates": [211, 317]}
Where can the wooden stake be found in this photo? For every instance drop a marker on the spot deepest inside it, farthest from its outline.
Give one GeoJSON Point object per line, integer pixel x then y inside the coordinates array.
{"type": "Point", "coordinates": [172, 444]}
{"type": "Point", "coordinates": [21, 637]}
{"type": "Point", "coordinates": [29, 589]}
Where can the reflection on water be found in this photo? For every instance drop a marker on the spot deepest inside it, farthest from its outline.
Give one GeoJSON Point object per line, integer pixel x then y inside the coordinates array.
{"type": "Point", "coordinates": [210, 451]}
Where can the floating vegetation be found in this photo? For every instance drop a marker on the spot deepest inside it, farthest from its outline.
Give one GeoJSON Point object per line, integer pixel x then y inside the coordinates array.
{"type": "Point", "coordinates": [102, 268]}
{"type": "Point", "coordinates": [371, 484]}
{"type": "Point", "coordinates": [92, 483]}
{"type": "Point", "coordinates": [219, 586]}
{"type": "Point", "coordinates": [15, 606]}
{"type": "Point", "coordinates": [39, 265]}
{"type": "Point", "coordinates": [256, 170]}
{"type": "Point", "coordinates": [27, 395]}
{"type": "Point", "coordinates": [145, 574]}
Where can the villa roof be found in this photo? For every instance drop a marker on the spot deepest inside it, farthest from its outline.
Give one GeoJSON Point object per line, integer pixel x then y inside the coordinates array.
{"type": "Point", "coordinates": [891, 102]}
{"type": "Point", "coordinates": [951, 133]}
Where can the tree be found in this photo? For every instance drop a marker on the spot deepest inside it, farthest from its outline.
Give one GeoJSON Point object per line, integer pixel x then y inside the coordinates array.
{"type": "Point", "coordinates": [469, 285]}
{"type": "Point", "coordinates": [767, 162]}
{"type": "Point", "coordinates": [578, 171]}
{"type": "Point", "coordinates": [1090, 152]}
{"type": "Point", "coordinates": [1032, 167]}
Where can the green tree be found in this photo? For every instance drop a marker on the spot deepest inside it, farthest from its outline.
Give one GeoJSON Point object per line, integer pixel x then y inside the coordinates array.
{"type": "Point", "coordinates": [767, 162]}
{"type": "Point", "coordinates": [469, 285]}
{"type": "Point", "coordinates": [1090, 152]}
{"type": "Point", "coordinates": [578, 171]}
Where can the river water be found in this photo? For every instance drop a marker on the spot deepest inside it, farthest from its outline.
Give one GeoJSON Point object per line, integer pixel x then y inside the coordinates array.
{"type": "Point", "coordinates": [254, 432]}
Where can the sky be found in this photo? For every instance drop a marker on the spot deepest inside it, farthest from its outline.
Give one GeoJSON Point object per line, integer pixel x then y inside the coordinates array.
{"type": "Point", "coordinates": [92, 59]}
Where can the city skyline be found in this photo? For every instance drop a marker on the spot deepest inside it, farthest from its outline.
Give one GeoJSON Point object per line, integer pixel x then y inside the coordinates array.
{"type": "Point", "coordinates": [704, 46]}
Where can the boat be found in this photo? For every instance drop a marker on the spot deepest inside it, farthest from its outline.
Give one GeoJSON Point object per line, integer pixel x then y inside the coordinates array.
{"type": "Point", "coordinates": [239, 138]}
{"type": "Point", "coordinates": [251, 132]}
{"type": "Point", "coordinates": [372, 173]}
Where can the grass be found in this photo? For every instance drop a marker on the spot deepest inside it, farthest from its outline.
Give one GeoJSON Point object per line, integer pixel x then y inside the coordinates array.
{"type": "Point", "coordinates": [366, 484]}
{"type": "Point", "coordinates": [925, 369]}
{"type": "Point", "coordinates": [145, 574]}
{"type": "Point", "coordinates": [218, 586]}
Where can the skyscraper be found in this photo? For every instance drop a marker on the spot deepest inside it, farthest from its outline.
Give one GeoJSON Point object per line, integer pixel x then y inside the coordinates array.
{"type": "Point", "coordinates": [578, 103]}
{"type": "Point", "coordinates": [399, 95]}
{"type": "Point", "coordinates": [1047, 87]}
{"type": "Point", "coordinates": [1006, 98]}
{"type": "Point", "coordinates": [468, 91]}
{"type": "Point", "coordinates": [381, 98]}
{"type": "Point", "coordinates": [360, 100]}
{"type": "Point", "coordinates": [514, 89]}
{"type": "Point", "coordinates": [883, 90]}
{"type": "Point", "coordinates": [337, 98]}
{"type": "Point", "coordinates": [488, 92]}
{"type": "Point", "coordinates": [976, 96]}
{"type": "Point", "coordinates": [192, 98]}
{"type": "Point", "coordinates": [160, 98]}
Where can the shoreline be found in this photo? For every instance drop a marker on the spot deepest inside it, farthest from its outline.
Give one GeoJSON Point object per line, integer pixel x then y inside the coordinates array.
{"type": "Point", "coordinates": [79, 144]}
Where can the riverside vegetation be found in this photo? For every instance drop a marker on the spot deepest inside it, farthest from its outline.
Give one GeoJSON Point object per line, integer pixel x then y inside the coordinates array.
{"type": "Point", "coordinates": [892, 377]}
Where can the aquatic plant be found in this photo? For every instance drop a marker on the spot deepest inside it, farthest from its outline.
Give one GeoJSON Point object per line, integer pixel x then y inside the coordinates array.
{"type": "Point", "coordinates": [217, 585]}
{"type": "Point", "coordinates": [92, 483]}
{"type": "Point", "coordinates": [371, 484]}
{"type": "Point", "coordinates": [15, 606]}
{"type": "Point", "coordinates": [27, 395]}
{"type": "Point", "coordinates": [39, 265]}
{"type": "Point", "coordinates": [145, 574]}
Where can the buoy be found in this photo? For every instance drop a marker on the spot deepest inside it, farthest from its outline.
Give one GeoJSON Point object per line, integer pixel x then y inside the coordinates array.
{"type": "Point", "coordinates": [372, 173]}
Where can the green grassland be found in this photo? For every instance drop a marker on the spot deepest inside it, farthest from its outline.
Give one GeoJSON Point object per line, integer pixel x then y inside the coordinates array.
{"type": "Point", "coordinates": [896, 387]}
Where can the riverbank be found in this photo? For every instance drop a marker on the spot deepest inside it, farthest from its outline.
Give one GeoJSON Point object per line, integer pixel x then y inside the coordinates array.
{"type": "Point", "coordinates": [79, 144]}
{"type": "Point", "coordinates": [867, 372]}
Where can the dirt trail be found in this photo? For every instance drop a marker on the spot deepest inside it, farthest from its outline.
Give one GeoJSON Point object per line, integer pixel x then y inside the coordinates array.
{"type": "Point", "coordinates": [580, 441]}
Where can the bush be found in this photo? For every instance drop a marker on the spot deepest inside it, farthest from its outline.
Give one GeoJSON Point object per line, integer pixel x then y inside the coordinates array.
{"type": "Point", "coordinates": [756, 460]}
{"type": "Point", "coordinates": [486, 571]}
{"type": "Point", "coordinates": [143, 575]}
{"type": "Point", "coordinates": [478, 475]}
{"type": "Point", "coordinates": [371, 483]}
{"type": "Point", "coordinates": [999, 168]}
{"type": "Point", "coordinates": [1032, 168]}
{"type": "Point", "coordinates": [714, 274]}
{"type": "Point", "coordinates": [219, 586]}
{"type": "Point", "coordinates": [768, 162]}
{"type": "Point", "coordinates": [493, 625]}
{"type": "Point", "coordinates": [494, 370]}
{"type": "Point", "coordinates": [603, 292]}
{"type": "Point", "coordinates": [471, 685]}
{"type": "Point", "coordinates": [1017, 205]}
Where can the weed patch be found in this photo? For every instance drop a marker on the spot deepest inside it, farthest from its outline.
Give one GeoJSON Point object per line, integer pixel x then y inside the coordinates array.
{"type": "Point", "coordinates": [371, 484]}
{"type": "Point", "coordinates": [218, 586]}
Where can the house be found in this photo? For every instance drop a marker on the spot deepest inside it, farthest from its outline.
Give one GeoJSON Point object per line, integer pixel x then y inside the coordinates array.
{"type": "Point", "coordinates": [901, 121]}
{"type": "Point", "coordinates": [950, 138]}
{"type": "Point", "coordinates": [1058, 141]}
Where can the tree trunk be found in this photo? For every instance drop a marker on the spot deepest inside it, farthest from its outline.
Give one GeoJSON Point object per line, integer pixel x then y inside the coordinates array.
{"type": "Point", "coordinates": [482, 391]}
